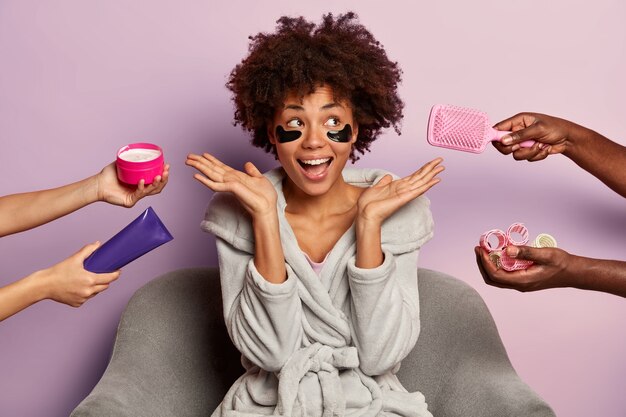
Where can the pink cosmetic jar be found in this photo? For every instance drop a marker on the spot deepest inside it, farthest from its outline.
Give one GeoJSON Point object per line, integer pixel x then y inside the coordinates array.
{"type": "Point", "coordinates": [139, 161]}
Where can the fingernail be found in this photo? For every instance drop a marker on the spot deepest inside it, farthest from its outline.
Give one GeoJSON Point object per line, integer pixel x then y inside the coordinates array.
{"type": "Point", "coordinates": [542, 145]}
{"type": "Point", "coordinates": [512, 251]}
{"type": "Point", "coordinates": [515, 147]}
{"type": "Point", "coordinates": [506, 140]}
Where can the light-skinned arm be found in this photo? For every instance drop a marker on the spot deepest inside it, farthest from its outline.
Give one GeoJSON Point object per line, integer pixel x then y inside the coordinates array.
{"type": "Point", "coordinates": [66, 282]}
{"type": "Point", "coordinates": [383, 285]}
{"type": "Point", "coordinates": [258, 196]}
{"type": "Point", "coordinates": [24, 211]}
{"type": "Point", "coordinates": [380, 201]}
{"type": "Point", "coordinates": [262, 308]}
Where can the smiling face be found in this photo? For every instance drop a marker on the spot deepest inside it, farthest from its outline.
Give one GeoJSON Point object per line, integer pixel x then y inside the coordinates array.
{"type": "Point", "coordinates": [314, 159]}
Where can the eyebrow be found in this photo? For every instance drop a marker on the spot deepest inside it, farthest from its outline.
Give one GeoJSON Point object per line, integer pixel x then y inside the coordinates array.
{"type": "Point", "coordinates": [297, 107]}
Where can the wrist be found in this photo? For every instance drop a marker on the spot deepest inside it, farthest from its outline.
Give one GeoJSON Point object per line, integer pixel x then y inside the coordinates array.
{"type": "Point", "coordinates": [574, 271]}
{"type": "Point", "coordinates": [368, 244]}
{"type": "Point", "coordinates": [578, 139]}
{"type": "Point", "coordinates": [38, 285]}
{"type": "Point", "coordinates": [364, 223]}
{"type": "Point", "coordinates": [92, 189]}
{"type": "Point", "coordinates": [266, 227]}
{"type": "Point", "coordinates": [264, 219]}
{"type": "Point", "coordinates": [269, 259]}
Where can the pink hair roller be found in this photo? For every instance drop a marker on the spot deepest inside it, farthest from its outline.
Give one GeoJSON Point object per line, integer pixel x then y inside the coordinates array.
{"type": "Point", "coordinates": [511, 264]}
{"type": "Point", "coordinates": [517, 229]}
{"type": "Point", "coordinates": [139, 161]}
{"type": "Point", "coordinates": [485, 240]}
{"type": "Point", "coordinates": [516, 235]}
{"type": "Point", "coordinates": [463, 129]}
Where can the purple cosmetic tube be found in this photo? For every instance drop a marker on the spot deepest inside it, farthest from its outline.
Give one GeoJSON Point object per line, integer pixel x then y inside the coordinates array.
{"type": "Point", "coordinates": [143, 234]}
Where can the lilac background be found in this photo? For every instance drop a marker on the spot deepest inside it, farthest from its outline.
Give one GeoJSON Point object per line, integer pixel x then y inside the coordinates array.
{"type": "Point", "coordinates": [79, 79]}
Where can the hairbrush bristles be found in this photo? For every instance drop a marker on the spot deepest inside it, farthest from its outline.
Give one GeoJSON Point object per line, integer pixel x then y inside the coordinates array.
{"type": "Point", "coordinates": [457, 128]}
{"type": "Point", "coordinates": [462, 129]}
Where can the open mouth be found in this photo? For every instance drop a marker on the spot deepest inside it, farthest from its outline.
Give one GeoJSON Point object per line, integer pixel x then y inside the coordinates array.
{"type": "Point", "coordinates": [315, 168]}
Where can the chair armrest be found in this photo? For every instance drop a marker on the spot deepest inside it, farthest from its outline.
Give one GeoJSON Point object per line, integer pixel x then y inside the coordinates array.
{"type": "Point", "coordinates": [459, 362]}
{"type": "Point", "coordinates": [165, 360]}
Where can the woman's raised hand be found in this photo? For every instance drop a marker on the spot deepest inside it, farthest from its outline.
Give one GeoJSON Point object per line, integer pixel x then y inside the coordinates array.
{"type": "Point", "coordinates": [255, 192]}
{"type": "Point", "coordinates": [381, 200]}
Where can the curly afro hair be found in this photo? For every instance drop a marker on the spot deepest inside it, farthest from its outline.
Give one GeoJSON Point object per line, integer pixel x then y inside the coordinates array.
{"type": "Point", "coordinates": [300, 56]}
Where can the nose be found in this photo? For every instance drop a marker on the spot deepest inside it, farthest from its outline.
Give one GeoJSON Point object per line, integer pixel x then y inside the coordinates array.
{"type": "Point", "coordinates": [314, 139]}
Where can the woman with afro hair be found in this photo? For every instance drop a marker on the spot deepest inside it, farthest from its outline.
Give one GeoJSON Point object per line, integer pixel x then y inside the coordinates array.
{"type": "Point", "coordinates": [318, 262]}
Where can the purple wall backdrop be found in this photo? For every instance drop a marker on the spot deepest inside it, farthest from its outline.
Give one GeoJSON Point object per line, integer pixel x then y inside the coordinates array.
{"type": "Point", "coordinates": [79, 79]}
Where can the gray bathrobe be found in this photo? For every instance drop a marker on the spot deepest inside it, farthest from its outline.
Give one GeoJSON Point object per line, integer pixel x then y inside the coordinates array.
{"type": "Point", "coordinates": [326, 345]}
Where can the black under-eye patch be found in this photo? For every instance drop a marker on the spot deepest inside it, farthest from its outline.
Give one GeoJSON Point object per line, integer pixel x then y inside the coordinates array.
{"type": "Point", "coordinates": [287, 135]}
{"type": "Point", "coordinates": [343, 135]}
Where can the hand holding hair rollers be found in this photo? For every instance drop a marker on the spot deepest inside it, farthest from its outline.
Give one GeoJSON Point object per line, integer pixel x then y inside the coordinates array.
{"type": "Point", "coordinates": [517, 235]}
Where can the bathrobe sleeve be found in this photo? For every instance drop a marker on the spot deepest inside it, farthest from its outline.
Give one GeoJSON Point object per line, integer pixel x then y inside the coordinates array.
{"type": "Point", "coordinates": [263, 319]}
{"type": "Point", "coordinates": [385, 300]}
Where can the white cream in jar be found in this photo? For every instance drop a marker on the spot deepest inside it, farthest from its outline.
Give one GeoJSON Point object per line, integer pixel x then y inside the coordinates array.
{"type": "Point", "coordinates": [140, 155]}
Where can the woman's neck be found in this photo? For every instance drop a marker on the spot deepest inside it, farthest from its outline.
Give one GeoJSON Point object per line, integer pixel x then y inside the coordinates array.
{"type": "Point", "coordinates": [340, 198]}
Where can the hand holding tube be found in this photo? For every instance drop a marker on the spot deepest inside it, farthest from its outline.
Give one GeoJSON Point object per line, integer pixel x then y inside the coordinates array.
{"type": "Point", "coordinates": [66, 282]}
{"type": "Point", "coordinates": [69, 283]}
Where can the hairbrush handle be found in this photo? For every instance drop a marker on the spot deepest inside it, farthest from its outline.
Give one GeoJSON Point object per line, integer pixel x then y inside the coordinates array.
{"type": "Point", "coordinates": [497, 135]}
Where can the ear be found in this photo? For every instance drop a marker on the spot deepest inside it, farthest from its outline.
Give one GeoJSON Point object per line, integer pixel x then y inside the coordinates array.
{"type": "Point", "coordinates": [271, 133]}
{"type": "Point", "coordinates": [355, 132]}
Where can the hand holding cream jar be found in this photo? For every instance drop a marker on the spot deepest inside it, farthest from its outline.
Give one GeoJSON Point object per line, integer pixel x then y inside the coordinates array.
{"type": "Point", "coordinates": [139, 161]}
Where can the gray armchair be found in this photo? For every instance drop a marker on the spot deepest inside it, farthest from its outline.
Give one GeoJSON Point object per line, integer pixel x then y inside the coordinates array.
{"type": "Point", "coordinates": [172, 355]}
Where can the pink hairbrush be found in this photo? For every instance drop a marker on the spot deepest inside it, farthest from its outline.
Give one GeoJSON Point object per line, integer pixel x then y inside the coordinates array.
{"type": "Point", "coordinates": [463, 129]}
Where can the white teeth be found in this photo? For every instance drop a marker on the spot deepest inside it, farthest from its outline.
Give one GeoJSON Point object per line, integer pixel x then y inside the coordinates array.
{"type": "Point", "coordinates": [315, 161]}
